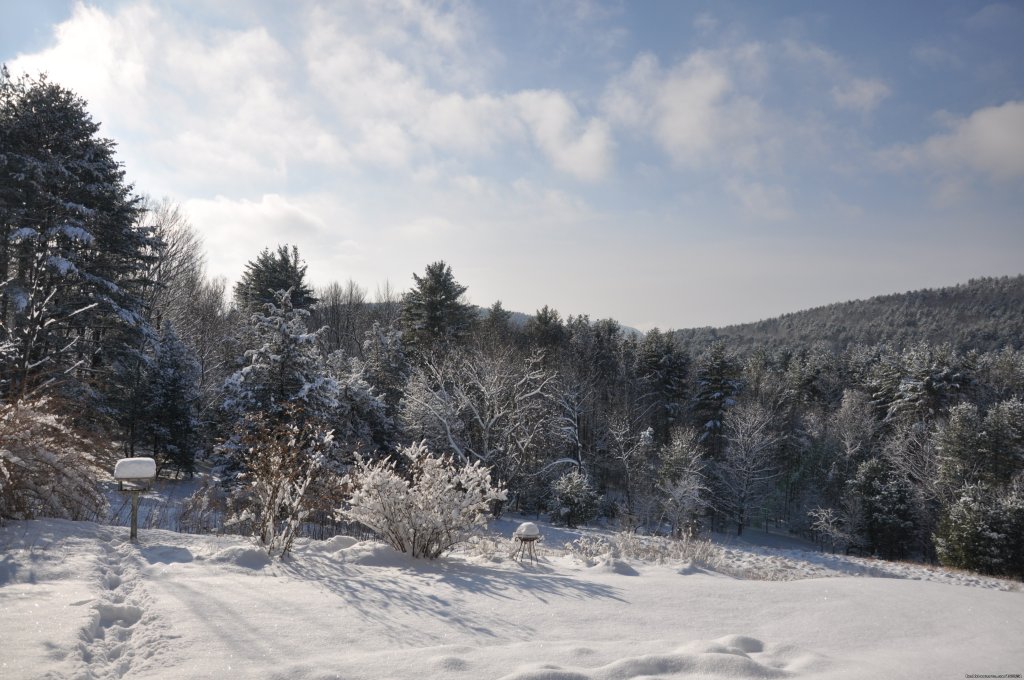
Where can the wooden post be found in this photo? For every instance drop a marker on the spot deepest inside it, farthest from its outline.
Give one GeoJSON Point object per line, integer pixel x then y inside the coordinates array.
{"type": "Point", "coordinates": [135, 515]}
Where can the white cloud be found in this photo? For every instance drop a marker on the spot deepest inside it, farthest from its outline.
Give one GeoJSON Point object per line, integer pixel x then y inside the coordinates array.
{"type": "Point", "coordinates": [693, 110]}
{"type": "Point", "coordinates": [372, 91]}
{"type": "Point", "coordinates": [580, 149]}
{"type": "Point", "coordinates": [848, 91]}
{"type": "Point", "coordinates": [190, 105]}
{"type": "Point", "coordinates": [393, 85]}
{"type": "Point", "coordinates": [989, 142]}
{"type": "Point", "coordinates": [860, 94]}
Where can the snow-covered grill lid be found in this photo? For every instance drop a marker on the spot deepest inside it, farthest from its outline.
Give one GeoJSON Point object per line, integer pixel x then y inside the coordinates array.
{"type": "Point", "coordinates": [527, 530]}
{"type": "Point", "coordinates": [135, 469]}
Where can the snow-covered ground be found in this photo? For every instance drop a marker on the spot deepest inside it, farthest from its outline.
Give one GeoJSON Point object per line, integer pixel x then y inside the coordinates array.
{"type": "Point", "coordinates": [77, 600]}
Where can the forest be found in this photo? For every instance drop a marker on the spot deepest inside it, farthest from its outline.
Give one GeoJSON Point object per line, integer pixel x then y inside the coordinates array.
{"type": "Point", "coordinates": [892, 427]}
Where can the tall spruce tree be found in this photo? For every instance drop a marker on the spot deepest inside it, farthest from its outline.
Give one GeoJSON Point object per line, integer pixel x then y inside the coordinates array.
{"type": "Point", "coordinates": [434, 312]}
{"type": "Point", "coordinates": [270, 272]}
{"type": "Point", "coordinates": [73, 256]}
{"type": "Point", "coordinates": [718, 384]}
{"type": "Point", "coordinates": [172, 423]}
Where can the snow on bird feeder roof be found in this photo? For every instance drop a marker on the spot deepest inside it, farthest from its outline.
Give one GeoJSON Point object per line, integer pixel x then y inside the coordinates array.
{"type": "Point", "coordinates": [527, 530]}
{"type": "Point", "coordinates": [135, 469]}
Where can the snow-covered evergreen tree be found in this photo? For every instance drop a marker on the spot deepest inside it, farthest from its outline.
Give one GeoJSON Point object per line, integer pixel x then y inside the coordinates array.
{"type": "Point", "coordinates": [72, 254]}
{"type": "Point", "coordinates": [171, 423]}
{"type": "Point", "coordinates": [882, 512]}
{"type": "Point", "coordinates": [360, 417]}
{"type": "Point", "coordinates": [434, 312]}
{"type": "Point", "coordinates": [983, 530]}
{"type": "Point", "coordinates": [718, 384]}
{"type": "Point", "coordinates": [573, 498]}
{"type": "Point", "coordinates": [385, 365]}
{"type": "Point", "coordinates": [270, 273]}
{"type": "Point", "coordinates": [283, 366]}
{"type": "Point", "coordinates": [663, 370]}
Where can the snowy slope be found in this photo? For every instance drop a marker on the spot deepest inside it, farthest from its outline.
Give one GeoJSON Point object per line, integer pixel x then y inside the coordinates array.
{"type": "Point", "coordinates": [78, 600]}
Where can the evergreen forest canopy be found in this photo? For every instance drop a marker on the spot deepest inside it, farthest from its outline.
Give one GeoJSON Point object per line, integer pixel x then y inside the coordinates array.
{"type": "Point", "coordinates": [983, 314]}
{"type": "Point", "coordinates": [892, 427]}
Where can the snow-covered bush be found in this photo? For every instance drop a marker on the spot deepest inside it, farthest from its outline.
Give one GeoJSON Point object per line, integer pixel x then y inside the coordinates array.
{"type": "Point", "coordinates": [202, 511]}
{"type": "Point", "coordinates": [285, 460]}
{"type": "Point", "coordinates": [573, 499]}
{"type": "Point", "coordinates": [657, 549]}
{"type": "Point", "coordinates": [427, 511]}
{"type": "Point", "coordinates": [46, 469]}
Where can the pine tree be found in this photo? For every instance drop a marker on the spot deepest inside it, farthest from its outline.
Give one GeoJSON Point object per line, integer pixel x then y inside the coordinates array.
{"type": "Point", "coordinates": [283, 366]}
{"type": "Point", "coordinates": [434, 312]}
{"type": "Point", "coordinates": [496, 328]}
{"type": "Point", "coordinates": [73, 257]}
{"type": "Point", "coordinates": [360, 418]}
{"type": "Point", "coordinates": [978, 448]}
{"type": "Point", "coordinates": [545, 330]}
{"type": "Point", "coordinates": [269, 273]}
{"type": "Point", "coordinates": [983, 530]}
{"type": "Point", "coordinates": [663, 369]}
{"type": "Point", "coordinates": [884, 509]}
{"type": "Point", "coordinates": [718, 383]}
{"type": "Point", "coordinates": [385, 365]}
{"type": "Point", "coordinates": [172, 423]}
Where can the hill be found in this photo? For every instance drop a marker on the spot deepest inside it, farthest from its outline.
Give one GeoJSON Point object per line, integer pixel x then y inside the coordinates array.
{"type": "Point", "coordinates": [983, 314]}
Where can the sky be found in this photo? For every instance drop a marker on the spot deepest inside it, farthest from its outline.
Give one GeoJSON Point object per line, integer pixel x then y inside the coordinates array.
{"type": "Point", "coordinates": [667, 164]}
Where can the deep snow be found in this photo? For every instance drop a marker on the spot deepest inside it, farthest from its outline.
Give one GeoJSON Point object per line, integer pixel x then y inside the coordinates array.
{"type": "Point", "coordinates": [78, 600]}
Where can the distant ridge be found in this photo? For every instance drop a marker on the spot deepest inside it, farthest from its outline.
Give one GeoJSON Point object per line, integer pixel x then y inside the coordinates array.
{"type": "Point", "coordinates": [983, 314]}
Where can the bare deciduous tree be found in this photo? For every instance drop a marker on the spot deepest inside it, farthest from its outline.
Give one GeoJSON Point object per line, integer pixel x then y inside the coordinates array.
{"type": "Point", "coordinates": [748, 462]}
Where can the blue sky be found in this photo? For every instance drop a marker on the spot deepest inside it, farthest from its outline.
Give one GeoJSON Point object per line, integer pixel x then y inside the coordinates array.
{"type": "Point", "coordinates": [667, 164]}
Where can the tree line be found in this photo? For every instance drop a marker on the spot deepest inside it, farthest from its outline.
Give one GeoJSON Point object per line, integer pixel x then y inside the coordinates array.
{"type": "Point", "coordinates": [111, 330]}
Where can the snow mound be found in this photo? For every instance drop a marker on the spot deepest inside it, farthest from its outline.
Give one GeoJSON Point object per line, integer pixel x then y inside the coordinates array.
{"type": "Point", "coordinates": [373, 554]}
{"type": "Point", "coordinates": [332, 545]}
{"type": "Point", "coordinates": [249, 558]}
{"type": "Point", "coordinates": [732, 656]}
{"type": "Point", "coordinates": [612, 565]}
{"type": "Point", "coordinates": [164, 554]}
{"type": "Point", "coordinates": [690, 569]}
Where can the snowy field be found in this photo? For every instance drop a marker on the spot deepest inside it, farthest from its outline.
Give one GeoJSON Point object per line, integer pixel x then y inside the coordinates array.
{"type": "Point", "coordinates": [77, 600]}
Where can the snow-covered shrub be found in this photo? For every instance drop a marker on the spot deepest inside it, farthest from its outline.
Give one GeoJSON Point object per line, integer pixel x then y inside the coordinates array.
{"type": "Point", "coordinates": [46, 469]}
{"type": "Point", "coordinates": [285, 460]}
{"type": "Point", "coordinates": [427, 511]}
{"type": "Point", "coordinates": [493, 548]}
{"type": "Point", "coordinates": [202, 511]}
{"type": "Point", "coordinates": [657, 549]}
{"type": "Point", "coordinates": [573, 499]}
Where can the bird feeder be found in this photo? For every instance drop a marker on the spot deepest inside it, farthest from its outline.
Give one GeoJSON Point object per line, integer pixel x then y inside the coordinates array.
{"type": "Point", "coordinates": [135, 475]}
{"type": "Point", "coordinates": [526, 536]}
